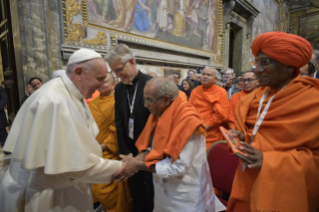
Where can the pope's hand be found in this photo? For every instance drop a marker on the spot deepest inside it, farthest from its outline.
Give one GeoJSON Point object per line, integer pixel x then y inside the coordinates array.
{"type": "Point", "coordinates": [252, 154]}
{"type": "Point", "coordinates": [129, 168]}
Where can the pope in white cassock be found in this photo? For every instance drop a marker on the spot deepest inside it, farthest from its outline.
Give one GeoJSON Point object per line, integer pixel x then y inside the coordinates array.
{"type": "Point", "coordinates": [54, 152]}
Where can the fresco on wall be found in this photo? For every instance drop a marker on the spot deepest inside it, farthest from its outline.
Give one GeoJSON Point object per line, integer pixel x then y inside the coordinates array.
{"type": "Point", "coordinates": [267, 20]}
{"type": "Point", "coordinates": [309, 29]}
{"type": "Point", "coordinates": [190, 23]}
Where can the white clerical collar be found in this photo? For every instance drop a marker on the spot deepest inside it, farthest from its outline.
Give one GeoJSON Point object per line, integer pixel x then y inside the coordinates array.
{"type": "Point", "coordinates": [74, 91]}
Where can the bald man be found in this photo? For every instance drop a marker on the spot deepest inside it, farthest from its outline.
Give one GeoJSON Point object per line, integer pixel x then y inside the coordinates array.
{"type": "Point", "coordinates": [249, 84]}
{"type": "Point", "coordinates": [172, 147]}
{"type": "Point", "coordinates": [174, 80]}
{"type": "Point", "coordinates": [211, 101]}
{"type": "Point", "coordinates": [113, 197]}
{"type": "Point", "coordinates": [55, 156]}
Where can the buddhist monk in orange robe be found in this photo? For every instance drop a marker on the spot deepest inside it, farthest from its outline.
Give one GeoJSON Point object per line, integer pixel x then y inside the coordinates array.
{"type": "Point", "coordinates": [249, 84]}
{"type": "Point", "coordinates": [284, 175]}
{"type": "Point", "coordinates": [211, 101]}
{"type": "Point", "coordinates": [114, 197]}
{"type": "Point", "coordinates": [174, 80]}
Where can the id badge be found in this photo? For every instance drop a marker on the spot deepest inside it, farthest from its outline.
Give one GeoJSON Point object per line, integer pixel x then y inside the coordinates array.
{"type": "Point", "coordinates": [131, 128]}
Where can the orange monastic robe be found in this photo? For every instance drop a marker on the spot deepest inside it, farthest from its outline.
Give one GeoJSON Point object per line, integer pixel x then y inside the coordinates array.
{"type": "Point", "coordinates": [213, 106]}
{"type": "Point", "coordinates": [182, 95]}
{"type": "Point", "coordinates": [232, 106]}
{"type": "Point", "coordinates": [289, 140]}
{"type": "Point", "coordinates": [113, 197]}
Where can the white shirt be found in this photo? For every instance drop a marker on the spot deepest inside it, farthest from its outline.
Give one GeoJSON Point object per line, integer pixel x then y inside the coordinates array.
{"type": "Point", "coordinates": [185, 185]}
{"type": "Point", "coordinates": [54, 153]}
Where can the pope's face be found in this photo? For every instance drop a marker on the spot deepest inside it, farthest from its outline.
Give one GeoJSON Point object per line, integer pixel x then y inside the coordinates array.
{"type": "Point", "coordinates": [125, 71]}
{"type": "Point", "coordinates": [93, 78]}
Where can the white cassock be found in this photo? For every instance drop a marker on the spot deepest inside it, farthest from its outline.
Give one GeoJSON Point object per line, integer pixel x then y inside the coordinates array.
{"type": "Point", "coordinates": [54, 153]}
{"type": "Point", "coordinates": [185, 185]}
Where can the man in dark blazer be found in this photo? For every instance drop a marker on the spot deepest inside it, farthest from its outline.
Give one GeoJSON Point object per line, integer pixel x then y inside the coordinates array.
{"type": "Point", "coordinates": [130, 119]}
{"type": "Point", "coordinates": [3, 118]}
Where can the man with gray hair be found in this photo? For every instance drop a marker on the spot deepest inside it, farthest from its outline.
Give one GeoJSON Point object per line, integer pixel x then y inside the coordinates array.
{"type": "Point", "coordinates": [230, 75]}
{"type": "Point", "coordinates": [172, 147]}
{"type": "Point", "coordinates": [130, 119]}
{"type": "Point", "coordinates": [55, 156]}
{"type": "Point", "coordinates": [315, 61]}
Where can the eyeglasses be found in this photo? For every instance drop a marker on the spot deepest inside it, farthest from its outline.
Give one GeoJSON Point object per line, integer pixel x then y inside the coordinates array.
{"type": "Point", "coordinates": [150, 101]}
{"type": "Point", "coordinates": [263, 62]}
{"type": "Point", "coordinates": [120, 69]}
{"type": "Point", "coordinates": [247, 80]}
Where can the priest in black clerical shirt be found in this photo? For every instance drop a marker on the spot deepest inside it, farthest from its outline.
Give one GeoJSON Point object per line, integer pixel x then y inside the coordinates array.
{"type": "Point", "coordinates": [130, 118]}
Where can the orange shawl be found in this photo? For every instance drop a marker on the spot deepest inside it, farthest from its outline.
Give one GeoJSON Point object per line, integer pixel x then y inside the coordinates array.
{"type": "Point", "coordinates": [233, 103]}
{"type": "Point", "coordinates": [182, 95]}
{"type": "Point", "coordinates": [288, 138]}
{"type": "Point", "coordinates": [174, 128]}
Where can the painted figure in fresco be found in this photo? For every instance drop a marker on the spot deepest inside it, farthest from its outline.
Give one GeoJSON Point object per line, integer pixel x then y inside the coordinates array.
{"type": "Point", "coordinates": [141, 18]}
{"type": "Point", "coordinates": [179, 23]}
{"type": "Point", "coordinates": [210, 33]}
{"type": "Point", "coordinates": [125, 20]}
{"type": "Point", "coordinates": [99, 8]}
{"type": "Point", "coordinates": [162, 17]}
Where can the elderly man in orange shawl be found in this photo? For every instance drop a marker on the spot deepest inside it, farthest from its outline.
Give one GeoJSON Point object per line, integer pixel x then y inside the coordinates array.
{"type": "Point", "coordinates": [172, 145]}
{"type": "Point", "coordinates": [249, 84]}
{"type": "Point", "coordinates": [114, 197]}
{"type": "Point", "coordinates": [211, 101]}
{"type": "Point", "coordinates": [279, 126]}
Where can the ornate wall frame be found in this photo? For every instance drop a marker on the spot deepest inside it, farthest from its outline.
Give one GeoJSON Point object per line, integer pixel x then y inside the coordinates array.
{"type": "Point", "coordinates": [297, 15]}
{"type": "Point", "coordinates": [75, 35]}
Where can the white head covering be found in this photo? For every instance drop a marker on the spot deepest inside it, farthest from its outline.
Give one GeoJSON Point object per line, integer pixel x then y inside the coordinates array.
{"type": "Point", "coordinates": [57, 73]}
{"type": "Point", "coordinates": [83, 55]}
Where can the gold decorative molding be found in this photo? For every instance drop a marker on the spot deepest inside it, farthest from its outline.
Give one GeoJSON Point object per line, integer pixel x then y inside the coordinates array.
{"type": "Point", "coordinates": [100, 39]}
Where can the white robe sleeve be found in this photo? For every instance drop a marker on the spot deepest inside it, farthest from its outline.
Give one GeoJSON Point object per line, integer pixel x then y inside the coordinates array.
{"type": "Point", "coordinates": [100, 173]}
{"type": "Point", "coordinates": [165, 168]}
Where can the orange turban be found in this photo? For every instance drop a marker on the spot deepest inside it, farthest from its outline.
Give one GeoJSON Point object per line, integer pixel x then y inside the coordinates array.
{"type": "Point", "coordinates": [288, 49]}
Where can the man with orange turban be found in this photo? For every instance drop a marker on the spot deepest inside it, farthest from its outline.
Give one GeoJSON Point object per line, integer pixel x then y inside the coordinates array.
{"type": "Point", "coordinates": [278, 124]}
{"type": "Point", "coordinates": [211, 101]}
{"type": "Point", "coordinates": [172, 145]}
{"type": "Point", "coordinates": [249, 84]}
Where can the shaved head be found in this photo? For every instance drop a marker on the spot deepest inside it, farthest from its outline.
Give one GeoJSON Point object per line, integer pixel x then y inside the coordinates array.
{"type": "Point", "coordinates": [112, 78]}
{"type": "Point", "coordinates": [208, 77]}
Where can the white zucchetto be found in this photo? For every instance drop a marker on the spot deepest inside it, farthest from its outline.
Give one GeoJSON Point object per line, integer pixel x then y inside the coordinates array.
{"type": "Point", "coordinates": [83, 55]}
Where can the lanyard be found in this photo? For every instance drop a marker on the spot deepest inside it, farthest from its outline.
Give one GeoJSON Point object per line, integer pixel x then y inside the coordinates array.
{"type": "Point", "coordinates": [259, 119]}
{"type": "Point", "coordinates": [133, 100]}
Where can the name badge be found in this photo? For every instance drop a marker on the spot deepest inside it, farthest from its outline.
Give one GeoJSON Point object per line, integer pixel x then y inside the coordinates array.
{"type": "Point", "coordinates": [131, 128]}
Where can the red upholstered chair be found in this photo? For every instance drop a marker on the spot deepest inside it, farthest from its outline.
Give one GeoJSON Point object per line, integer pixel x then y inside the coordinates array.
{"type": "Point", "coordinates": [222, 167]}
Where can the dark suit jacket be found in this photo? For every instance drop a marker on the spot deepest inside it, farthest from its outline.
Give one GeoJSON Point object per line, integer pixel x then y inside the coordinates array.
{"type": "Point", "coordinates": [3, 103]}
{"type": "Point", "coordinates": [317, 75]}
{"type": "Point", "coordinates": [122, 115]}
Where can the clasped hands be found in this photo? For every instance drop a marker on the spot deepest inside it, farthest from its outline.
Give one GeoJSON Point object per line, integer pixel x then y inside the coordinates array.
{"type": "Point", "coordinates": [249, 152]}
{"type": "Point", "coordinates": [129, 168]}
